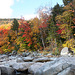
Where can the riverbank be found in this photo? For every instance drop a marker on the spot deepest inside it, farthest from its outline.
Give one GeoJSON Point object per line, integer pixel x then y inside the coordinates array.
{"type": "Point", "coordinates": [36, 64]}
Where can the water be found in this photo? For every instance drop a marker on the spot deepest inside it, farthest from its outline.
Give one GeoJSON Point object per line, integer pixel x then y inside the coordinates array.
{"type": "Point", "coordinates": [22, 73]}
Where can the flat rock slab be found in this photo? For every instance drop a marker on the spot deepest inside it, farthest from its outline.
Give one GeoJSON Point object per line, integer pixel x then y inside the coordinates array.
{"type": "Point", "coordinates": [26, 59]}
{"type": "Point", "coordinates": [57, 66]}
{"type": "Point", "coordinates": [43, 59]}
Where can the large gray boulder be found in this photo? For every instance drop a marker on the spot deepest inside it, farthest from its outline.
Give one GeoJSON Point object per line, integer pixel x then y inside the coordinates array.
{"type": "Point", "coordinates": [7, 71]}
{"type": "Point", "coordinates": [53, 67]}
{"type": "Point", "coordinates": [66, 71]}
{"type": "Point", "coordinates": [22, 66]}
{"type": "Point", "coordinates": [0, 71]}
{"type": "Point", "coordinates": [64, 51]}
{"type": "Point", "coordinates": [61, 66]}
{"type": "Point", "coordinates": [33, 68]}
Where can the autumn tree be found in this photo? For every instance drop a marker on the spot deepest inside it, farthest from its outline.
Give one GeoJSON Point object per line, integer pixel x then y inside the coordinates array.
{"type": "Point", "coordinates": [66, 25]}
{"type": "Point", "coordinates": [67, 1]}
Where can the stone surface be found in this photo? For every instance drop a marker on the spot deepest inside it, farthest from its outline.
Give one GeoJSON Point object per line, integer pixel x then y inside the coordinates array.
{"type": "Point", "coordinates": [7, 71]}
{"type": "Point", "coordinates": [41, 65]}
{"type": "Point", "coordinates": [66, 72]}
{"type": "Point", "coordinates": [19, 60]}
{"type": "Point", "coordinates": [0, 71]}
{"type": "Point", "coordinates": [26, 59]}
{"type": "Point", "coordinates": [14, 52]}
{"type": "Point", "coordinates": [24, 54]}
{"type": "Point", "coordinates": [64, 51]}
{"type": "Point", "coordinates": [33, 68]}
{"type": "Point", "coordinates": [22, 66]}
{"type": "Point", "coordinates": [52, 68]}
{"type": "Point", "coordinates": [43, 59]}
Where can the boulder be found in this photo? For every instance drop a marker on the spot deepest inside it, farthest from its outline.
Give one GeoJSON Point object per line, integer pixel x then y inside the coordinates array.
{"type": "Point", "coordinates": [22, 66]}
{"type": "Point", "coordinates": [14, 52]}
{"type": "Point", "coordinates": [24, 54]}
{"type": "Point", "coordinates": [19, 60]}
{"type": "Point", "coordinates": [0, 71]}
{"type": "Point", "coordinates": [3, 56]}
{"type": "Point", "coordinates": [64, 51]}
{"type": "Point", "coordinates": [33, 68]}
{"type": "Point", "coordinates": [66, 72]}
{"type": "Point", "coordinates": [72, 70]}
{"type": "Point", "coordinates": [7, 71]}
{"type": "Point", "coordinates": [52, 68]}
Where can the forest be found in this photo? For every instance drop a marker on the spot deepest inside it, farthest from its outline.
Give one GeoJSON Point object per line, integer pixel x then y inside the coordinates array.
{"type": "Point", "coordinates": [50, 32]}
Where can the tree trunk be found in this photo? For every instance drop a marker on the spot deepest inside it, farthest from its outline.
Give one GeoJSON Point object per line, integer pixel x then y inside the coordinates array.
{"type": "Point", "coordinates": [43, 43]}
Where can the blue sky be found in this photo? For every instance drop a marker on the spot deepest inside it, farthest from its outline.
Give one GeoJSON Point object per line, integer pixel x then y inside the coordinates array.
{"type": "Point", "coordinates": [26, 8]}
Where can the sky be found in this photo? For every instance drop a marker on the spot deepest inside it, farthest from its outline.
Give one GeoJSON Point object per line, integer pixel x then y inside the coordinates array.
{"type": "Point", "coordinates": [25, 8]}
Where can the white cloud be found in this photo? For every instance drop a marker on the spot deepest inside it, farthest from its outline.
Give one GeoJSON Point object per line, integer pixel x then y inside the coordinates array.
{"type": "Point", "coordinates": [30, 16]}
{"type": "Point", "coordinates": [5, 8]}
{"type": "Point", "coordinates": [17, 0]}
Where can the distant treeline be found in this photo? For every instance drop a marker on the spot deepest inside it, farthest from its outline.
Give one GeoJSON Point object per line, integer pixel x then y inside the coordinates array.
{"type": "Point", "coordinates": [11, 19]}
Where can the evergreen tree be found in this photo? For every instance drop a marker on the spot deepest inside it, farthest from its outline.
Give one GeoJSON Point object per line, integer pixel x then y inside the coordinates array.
{"type": "Point", "coordinates": [15, 25]}
{"type": "Point", "coordinates": [57, 10]}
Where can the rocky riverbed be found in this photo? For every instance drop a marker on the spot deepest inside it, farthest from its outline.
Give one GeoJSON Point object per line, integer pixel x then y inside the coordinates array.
{"type": "Point", "coordinates": [36, 64]}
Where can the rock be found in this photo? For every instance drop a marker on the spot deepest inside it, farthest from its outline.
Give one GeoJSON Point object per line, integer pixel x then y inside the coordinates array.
{"type": "Point", "coordinates": [53, 58]}
{"type": "Point", "coordinates": [64, 52]}
{"type": "Point", "coordinates": [43, 59]}
{"type": "Point", "coordinates": [19, 60]}
{"type": "Point", "coordinates": [7, 71]}
{"type": "Point", "coordinates": [3, 56]}
{"type": "Point", "coordinates": [26, 59]}
{"type": "Point", "coordinates": [14, 52]}
{"type": "Point", "coordinates": [52, 68]}
{"type": "Point", "coordinates": [33, 68]}
{"type": "Point", "coordinates": [0, 71]}
{"type": "Point", "coordinates": [24, 54]}
{"type": "Point", "coordinates": [12, 57]}
{"type": "Point", "coordinates": [66, 72]}
{"type": "Point", "coordinates": [22, 66]}
{"type": "Point", "coordinates": [49, 55]}
{"type": "Point", "coordinates": [72, 70]}
{"type": "Point", "coordinates": [10, 54]}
